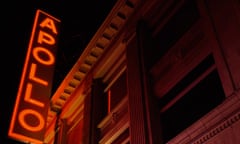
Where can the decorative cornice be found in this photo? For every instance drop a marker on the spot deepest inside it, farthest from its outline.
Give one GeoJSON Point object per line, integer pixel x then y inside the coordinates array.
{"type": "Point", "coordinates": [104, 37]}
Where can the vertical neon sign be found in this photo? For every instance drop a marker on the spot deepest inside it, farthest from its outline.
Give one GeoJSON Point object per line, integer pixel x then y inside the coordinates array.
{"type": "Point", "coordinates": [32, 103]}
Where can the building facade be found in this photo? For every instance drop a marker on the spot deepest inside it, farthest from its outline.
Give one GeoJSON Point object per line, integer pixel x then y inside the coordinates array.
{"type": "Point", "coordinates": [155, 72]}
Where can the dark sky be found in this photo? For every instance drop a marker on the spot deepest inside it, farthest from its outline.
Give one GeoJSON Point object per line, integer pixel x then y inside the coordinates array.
{"type": "Point", "coordinates": [79, 22]}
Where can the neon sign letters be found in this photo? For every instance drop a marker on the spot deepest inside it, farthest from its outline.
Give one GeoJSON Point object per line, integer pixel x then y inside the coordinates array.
{"type": "Point", "coordinates": [32, 103]}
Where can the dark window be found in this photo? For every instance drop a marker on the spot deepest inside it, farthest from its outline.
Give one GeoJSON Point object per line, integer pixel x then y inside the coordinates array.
{"type": "Point", "coordinates": [187, 80]}
{"type": "Point", "coordinates": [118, 91]}
{"type": "Point", "coordinates": [175, 28]}
{"type": "Point", "coordinates": [197, 102]}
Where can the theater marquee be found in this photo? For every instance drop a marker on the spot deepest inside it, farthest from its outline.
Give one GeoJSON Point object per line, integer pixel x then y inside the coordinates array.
{"type": "Point", "coordinates": [28, 121]}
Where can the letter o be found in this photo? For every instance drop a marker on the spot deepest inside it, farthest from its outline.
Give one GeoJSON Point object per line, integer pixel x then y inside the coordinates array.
{"type": "Point", "coordinates": [51, 59]}
{"type": "Point", "coordinates": [21, 119]}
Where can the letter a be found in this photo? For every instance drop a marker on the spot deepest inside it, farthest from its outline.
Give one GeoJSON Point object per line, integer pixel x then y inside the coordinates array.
{"type": "Point", "coordinates": [49, 23]}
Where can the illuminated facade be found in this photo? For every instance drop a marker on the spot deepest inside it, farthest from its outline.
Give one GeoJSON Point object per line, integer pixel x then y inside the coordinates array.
{"type": "Point", "coordinates": [155, 72]}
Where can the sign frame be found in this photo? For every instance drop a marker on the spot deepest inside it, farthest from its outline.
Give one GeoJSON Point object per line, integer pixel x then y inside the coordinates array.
{"type": "Point", "coordinates": [32, 103]}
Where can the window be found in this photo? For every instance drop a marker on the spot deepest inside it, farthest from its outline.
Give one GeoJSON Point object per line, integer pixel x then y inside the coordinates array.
{"type": "Point", "coordinates": [117, 91]}
{"type": "Point", "coordinates": [205, 93]}
{"type": "Point", "coordinates": [175, 28]}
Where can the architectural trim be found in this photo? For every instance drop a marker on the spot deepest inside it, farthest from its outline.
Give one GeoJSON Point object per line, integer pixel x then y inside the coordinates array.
{"type": "Point", "coordinates": [215, 122]}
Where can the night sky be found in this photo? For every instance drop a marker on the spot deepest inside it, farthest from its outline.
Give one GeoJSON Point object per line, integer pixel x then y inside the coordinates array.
{"type": "Point", "coordinates": [79, 22]}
